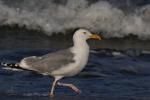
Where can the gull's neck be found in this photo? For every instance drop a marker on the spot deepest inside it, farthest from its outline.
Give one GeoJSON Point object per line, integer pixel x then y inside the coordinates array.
{"type": "Point", "coordinates": [80, 44]}
{"type": "Point", "coordinates": [81, 51]}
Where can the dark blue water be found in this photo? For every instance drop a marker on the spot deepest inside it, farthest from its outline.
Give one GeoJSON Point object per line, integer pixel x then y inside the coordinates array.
{"type": "Point", "coordinates": [108, 75]}
{"type": "Point", "coordinates": [118, 68]}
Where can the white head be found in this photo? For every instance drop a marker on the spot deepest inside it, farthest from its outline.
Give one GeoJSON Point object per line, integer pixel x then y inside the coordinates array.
{"type": "Point", "coordinates": [81, 35]}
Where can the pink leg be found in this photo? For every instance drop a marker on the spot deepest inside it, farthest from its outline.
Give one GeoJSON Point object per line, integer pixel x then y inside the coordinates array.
{"type": "Point", "coordinates": [73, 87]}
{"type": "Point", "coordinates": [53, 85]}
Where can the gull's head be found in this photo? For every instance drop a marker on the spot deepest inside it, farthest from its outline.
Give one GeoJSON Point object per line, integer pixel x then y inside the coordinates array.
{"type": "Point", "coordinates": [83, 34]}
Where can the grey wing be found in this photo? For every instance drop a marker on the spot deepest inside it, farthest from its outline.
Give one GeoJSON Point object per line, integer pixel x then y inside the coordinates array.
{"type": "Point", "coordinates": [50, 62]}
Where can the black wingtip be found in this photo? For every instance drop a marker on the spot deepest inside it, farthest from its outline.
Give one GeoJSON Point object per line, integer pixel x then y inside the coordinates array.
{"type": "Point", "coordinates": [12, 65]}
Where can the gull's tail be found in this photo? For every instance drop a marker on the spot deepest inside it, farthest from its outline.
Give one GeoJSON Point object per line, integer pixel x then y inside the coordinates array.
{"type": "Point", "coordinates": [11, 65]}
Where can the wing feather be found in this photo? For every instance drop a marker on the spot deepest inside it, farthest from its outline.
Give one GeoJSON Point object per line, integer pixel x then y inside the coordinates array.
{"type": "Point", "coordinates": [50, 62]}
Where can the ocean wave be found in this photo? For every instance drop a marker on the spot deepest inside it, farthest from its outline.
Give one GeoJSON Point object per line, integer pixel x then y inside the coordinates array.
{"type": "Point", "coordinates": [53, 17]}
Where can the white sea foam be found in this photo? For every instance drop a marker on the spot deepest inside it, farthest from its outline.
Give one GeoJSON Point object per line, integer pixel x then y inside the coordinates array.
{"type": "Point", "coordinates": [55, 17]}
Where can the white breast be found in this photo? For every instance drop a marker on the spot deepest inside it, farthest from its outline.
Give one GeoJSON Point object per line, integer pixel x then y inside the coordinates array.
{"type": "Point", "coordinates": [81, 58]}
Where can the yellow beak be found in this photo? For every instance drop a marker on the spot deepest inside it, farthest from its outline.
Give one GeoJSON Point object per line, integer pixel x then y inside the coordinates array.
{"type": "Point", "coordinates": [96, 37]}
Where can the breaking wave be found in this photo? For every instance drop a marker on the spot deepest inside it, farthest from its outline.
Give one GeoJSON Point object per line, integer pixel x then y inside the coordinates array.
{"type": "Point", "coordinates": [52, 16]}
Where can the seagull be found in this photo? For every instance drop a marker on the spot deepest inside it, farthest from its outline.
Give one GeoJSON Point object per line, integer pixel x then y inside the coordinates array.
{"type": "Point", "coordinates": [62, 63]}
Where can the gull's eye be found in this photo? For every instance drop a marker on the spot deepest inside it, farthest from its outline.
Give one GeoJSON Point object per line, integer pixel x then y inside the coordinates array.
{"type": "Point", "coordinates": [84, 32]}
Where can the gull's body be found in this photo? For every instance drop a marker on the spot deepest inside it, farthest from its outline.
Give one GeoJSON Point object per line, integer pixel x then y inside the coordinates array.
{"type": "Point", "coordinates": [63, 63]}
